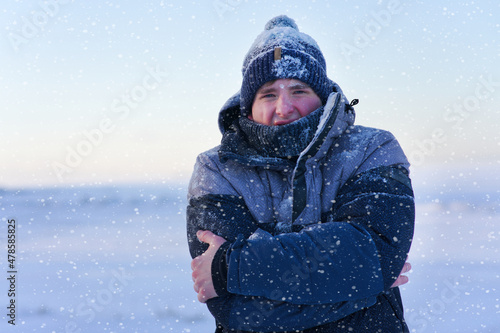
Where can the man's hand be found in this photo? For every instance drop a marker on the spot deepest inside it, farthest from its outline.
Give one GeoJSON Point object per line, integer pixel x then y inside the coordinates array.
{"type": "Point", "coordinates": [402, 279]}
{"type": "Point", "coordinates": [202, 266]}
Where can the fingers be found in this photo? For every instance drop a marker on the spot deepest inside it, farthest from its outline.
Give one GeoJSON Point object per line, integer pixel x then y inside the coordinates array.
{"type": "Point", "coordinates": [204, 289]}
{"type": "Point", "coordinates": [195, 263]}
{"type": "Point", "coordinates": [202, 297]}
{"type": "Point", "coordinates": [209, 237]}
{"type": "Point", "coordinates": [400, 281]}
{"type": "Point", "coordinates": [201, 291]}
{"type": "Point", "coordinates": [204, 235]}
{"type": "Point", "coordinates": [406, 268]}
{"type": "Point", "coordinates": [198, 280]}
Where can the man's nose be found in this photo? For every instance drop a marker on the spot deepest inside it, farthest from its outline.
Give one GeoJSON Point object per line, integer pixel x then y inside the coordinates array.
{"type": "Point", "coordinates": [284, 106]}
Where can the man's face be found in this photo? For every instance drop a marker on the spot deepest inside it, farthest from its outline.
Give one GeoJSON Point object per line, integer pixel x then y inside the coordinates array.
{"type": "Point", "coordinates": [283, 101]}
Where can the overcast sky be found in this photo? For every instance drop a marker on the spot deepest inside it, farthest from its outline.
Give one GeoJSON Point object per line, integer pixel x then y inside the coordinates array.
{"type": "Point", "coordinates": [129, 91]}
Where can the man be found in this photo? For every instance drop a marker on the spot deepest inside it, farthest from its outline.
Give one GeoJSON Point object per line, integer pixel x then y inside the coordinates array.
{"type": "Point", "coordinates": [299, 221]}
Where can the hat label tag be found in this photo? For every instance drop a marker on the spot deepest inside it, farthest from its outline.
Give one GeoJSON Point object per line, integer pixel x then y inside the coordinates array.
{"type": "Point", "coordinates": [277, 53]}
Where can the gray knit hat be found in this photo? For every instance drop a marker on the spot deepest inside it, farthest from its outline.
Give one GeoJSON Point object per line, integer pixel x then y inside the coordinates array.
{"type": "Point", "coordinates": [282, 52]}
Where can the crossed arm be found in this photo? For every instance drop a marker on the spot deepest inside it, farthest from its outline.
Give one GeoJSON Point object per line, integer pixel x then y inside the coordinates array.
{"type": "Point", "coordinates": [373, 217]}
{"type": "Point", "coordinates": [202, 273]}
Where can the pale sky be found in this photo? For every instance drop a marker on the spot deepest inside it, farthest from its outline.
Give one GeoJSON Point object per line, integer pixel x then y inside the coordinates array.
{"type": "Point", "coordinates": [129, 91]}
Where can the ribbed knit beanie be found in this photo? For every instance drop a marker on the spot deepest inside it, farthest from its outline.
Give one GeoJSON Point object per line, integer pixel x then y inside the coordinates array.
{"type": "Point", "coordinates": [282, 52]}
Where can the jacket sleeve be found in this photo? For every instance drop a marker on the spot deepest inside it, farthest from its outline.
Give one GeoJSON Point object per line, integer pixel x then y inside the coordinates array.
{"type": "Point", "coordinates": [357, 252]}
{"type": "Point", "coordinates": [259, 314]}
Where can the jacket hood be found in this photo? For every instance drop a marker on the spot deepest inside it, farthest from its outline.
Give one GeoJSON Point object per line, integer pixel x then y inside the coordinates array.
{"type": "Point", "coordinates": [337, 115]}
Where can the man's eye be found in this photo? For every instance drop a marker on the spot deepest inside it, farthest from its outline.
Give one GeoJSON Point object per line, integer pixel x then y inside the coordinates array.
{"type": "Point", "coordinates": [267, 96]}
{"type": "Point", "coordinates": [298, 92]}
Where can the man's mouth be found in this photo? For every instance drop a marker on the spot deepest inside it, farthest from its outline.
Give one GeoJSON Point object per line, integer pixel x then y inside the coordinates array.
{"type": "Point", "coordinates": [283, 122]}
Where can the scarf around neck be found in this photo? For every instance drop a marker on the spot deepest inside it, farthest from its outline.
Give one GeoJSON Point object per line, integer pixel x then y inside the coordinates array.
{"type": "Point", "coordinates": [285, 141]}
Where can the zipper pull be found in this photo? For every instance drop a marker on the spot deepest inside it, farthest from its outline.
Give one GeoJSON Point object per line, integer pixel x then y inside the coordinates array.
{"type": "Point", "coordinates": [349, 107]}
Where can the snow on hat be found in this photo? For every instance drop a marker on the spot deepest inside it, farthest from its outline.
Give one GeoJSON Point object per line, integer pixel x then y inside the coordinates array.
{"type": "Point", "coordinates": [282, 52]}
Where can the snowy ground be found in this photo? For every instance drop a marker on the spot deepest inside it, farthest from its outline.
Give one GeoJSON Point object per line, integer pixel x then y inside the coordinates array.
{"type": "Point", "coordinates": [115, 259]}
{"type": "Point", "coordinates": [455, 282]}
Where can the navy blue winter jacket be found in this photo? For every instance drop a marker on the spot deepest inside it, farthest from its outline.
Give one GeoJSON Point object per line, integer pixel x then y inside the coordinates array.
{"type": "Point", "coordinates": [315, 242]}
